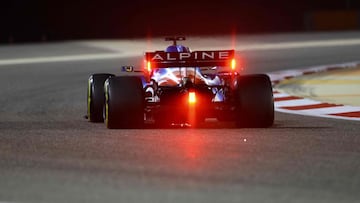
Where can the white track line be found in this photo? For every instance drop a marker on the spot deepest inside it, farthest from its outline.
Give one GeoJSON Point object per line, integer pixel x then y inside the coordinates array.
{"type": "Point", "coordinates": [280, 95]}
{"type": "Point", "coordinates": [56, 59]}
{"type": "Point", "coordinates": [128, 50]}
{"type": "Point", "coordinates": [296, 102]}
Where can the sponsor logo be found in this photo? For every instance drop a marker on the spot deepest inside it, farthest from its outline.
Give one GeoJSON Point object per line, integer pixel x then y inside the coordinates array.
{"type": "Point", "coordinates": [184, 56]}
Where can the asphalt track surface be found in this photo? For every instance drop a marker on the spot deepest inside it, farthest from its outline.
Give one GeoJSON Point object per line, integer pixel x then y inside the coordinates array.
{"type": "Point", "coordinates": [49, 153]}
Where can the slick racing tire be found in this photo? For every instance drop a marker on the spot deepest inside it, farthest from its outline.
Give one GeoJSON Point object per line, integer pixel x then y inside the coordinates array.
{"type": "Point", "coordinates": [96, 96]}
{"type": "Point", "coordinates": [124, 102]}
{"type": "Point", "coordinates": [254, 101]}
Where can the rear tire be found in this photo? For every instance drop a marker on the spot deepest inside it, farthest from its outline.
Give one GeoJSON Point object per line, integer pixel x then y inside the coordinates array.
{"type": "Point", "coordinates": [96, 96]}
{"type": "Point", "coordinates": [124, 102]}
{"type": "Point", "coordinates": [254, 101]}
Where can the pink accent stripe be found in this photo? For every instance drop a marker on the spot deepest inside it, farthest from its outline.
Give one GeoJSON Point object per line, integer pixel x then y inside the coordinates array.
{"type": "Point", "coordinates": [334, 68]}
{"type": "Point", "coordinates": [313, 106]}
{"type": "Point", "coordinates": [286, 98]}
{"type": "Point", "coordinates": [308, 72]}
{"type": "Point", "coordinates": [355, 114]}
{"type": "Point", "coordinates": [289, 77]}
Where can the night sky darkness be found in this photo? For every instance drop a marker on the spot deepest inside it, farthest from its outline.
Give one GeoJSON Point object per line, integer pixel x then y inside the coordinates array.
{"type": "Point", "coordinates": [31, 20]}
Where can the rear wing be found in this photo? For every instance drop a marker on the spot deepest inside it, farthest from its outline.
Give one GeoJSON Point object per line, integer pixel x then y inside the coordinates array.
{"type": "Point", "coordinates": [161, 59]}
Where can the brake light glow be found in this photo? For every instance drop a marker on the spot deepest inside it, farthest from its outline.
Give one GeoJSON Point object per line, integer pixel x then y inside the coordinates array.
{"type": "Point", "coordinates": [148, 66]}
{"type": "Point", "coordinates": [233, 64]}
{"type": "Point", "coordinates": [192, 98]}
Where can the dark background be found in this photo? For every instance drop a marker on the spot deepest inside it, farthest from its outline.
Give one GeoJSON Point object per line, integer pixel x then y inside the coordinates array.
{"type": "Point", "coordinates": [33, 21]}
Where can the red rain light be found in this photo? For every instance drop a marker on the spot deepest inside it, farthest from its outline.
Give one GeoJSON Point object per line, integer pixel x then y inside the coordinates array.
{"type": "Point", "coordinates": [148, 66]}
{"type": "Point", "coordinates": [233, 64]}
{"type": "Point", "coordinates": [192, 98]}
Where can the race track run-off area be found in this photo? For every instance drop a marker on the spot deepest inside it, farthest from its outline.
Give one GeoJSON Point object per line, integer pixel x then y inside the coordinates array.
{"type": "Point", "coordinates": [296, 91]}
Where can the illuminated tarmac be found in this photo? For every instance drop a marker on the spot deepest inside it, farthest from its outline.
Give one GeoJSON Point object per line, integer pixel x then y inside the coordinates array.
{"type": "Point", "coordinates": [49, 153]}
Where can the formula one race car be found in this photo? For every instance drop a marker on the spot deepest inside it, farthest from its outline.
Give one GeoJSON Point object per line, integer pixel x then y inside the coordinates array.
{"type": "Point", "coordinates": [179, 86]}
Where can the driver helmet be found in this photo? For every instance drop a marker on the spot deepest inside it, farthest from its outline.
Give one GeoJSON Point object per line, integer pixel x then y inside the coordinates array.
{"type": "Point", "coordinates": [177, 48]}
